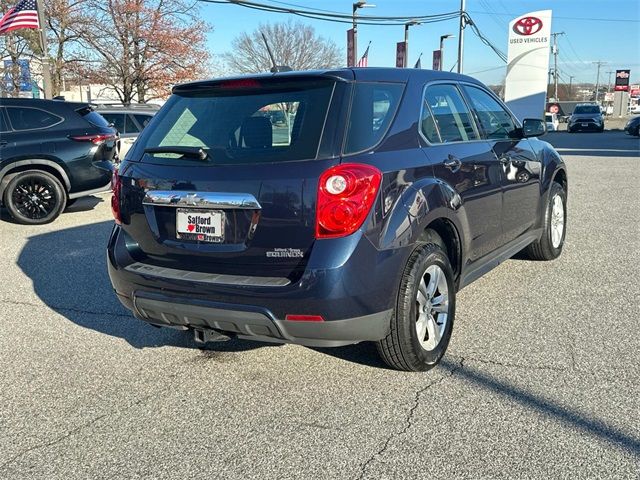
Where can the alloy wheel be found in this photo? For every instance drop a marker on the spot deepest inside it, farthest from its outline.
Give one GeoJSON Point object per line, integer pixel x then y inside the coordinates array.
{"type": "Point", "coordinates": [432, 307]}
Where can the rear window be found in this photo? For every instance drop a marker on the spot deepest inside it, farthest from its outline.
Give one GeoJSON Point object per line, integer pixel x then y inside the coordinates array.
{"type": "Point", "coordinates": [277, 123]}
{"type": "Point", "coordinates": [93, 117]}
{"type": "Point", "coordinates": [373, 108]}
{"type": "Point", "coordinates": [587, 109]}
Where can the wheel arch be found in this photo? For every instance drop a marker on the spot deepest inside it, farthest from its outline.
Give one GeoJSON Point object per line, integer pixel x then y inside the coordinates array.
{"type": "Point", "coordinates": [443, 232]}
{"type": "Point", "coordinates": [49, 166]}
{"type": "Point", "coordinates": [560, 176]}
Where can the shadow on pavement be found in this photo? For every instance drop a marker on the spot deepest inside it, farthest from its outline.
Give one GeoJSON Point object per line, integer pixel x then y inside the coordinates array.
{"type": "Point", "coordinates": [564, 415]}
{"type": "Point", "coordinates": [69, 274]}
{"type": "Point", "coordinates": [587, 144]}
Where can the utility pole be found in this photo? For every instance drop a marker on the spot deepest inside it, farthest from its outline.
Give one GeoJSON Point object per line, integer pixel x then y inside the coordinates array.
{"type": "Point", "coordinates": [599, 64]}
{"type": "Point", "coordinates": [461, 35]}
{"type": "Point", "coordinates": [609, 87]}
{"type": "Point", "coordinates": [554, 50]}
{"type": "Point", "coordinates": [571, 77]}
{"type": "Point", "coordinates": [46, 68]}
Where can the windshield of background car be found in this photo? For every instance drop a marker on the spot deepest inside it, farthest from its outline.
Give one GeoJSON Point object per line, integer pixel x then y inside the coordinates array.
{"type": "Point", "coordinates": [243, 122]}
{"type": "Point", "coordinates": [587, 109]}
{"type": "Point", "coordinates": [373, 108]}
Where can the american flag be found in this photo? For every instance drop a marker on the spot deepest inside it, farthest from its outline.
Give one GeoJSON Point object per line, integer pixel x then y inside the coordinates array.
{"type": "Point", "coordinates": [23, 15]}
{"type": "Point", "coordinates": [364, 61]}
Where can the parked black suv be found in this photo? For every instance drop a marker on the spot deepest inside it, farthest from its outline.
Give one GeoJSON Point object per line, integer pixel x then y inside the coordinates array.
{"type": "Point", "coordinates": [51, 153]}
{"type": "Point", "coordinates": [391, 190]}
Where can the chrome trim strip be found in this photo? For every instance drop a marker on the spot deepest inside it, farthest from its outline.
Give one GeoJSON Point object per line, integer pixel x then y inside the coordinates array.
{"type": "Point", "coordinates": [210, 278]}
{"type": "Point", "coordinates": [211, 200]}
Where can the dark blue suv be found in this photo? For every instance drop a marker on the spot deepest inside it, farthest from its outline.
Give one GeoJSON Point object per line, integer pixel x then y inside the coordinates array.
{"type": "Point", "coordinates": [357, 216]}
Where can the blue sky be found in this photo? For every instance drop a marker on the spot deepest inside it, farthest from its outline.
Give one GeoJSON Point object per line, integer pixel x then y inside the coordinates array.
{"type": "Point", "coordinates": [589, 35]}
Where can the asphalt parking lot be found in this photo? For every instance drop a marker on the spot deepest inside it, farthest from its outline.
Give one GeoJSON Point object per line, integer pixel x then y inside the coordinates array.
{"type": "Point", "coordinates": [541, 379]}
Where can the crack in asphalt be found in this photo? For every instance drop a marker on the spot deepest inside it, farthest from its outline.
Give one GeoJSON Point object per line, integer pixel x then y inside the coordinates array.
{"type": "Point", "coordinates": [67, 309]}
{"type": "Point", "coordinates": [408, 420]}
{"type": "Point", "coordinates": [518, 365]}
{"type": "Point", "coordinates": [84, 426]}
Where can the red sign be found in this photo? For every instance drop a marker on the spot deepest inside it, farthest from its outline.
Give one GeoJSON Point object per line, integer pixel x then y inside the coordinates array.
{"type": "Point", "coordinates": [622, 80]}
{"type": "Point", "coordinates": [554, 109]}
{"type": "Point", "coordinates": [436, 60]}
{"type": "Point", "coordinates": [351, 55]}
{"type": "Point", "coordinates": [527, 26]}
{"type": "Point", "coordinates": [401, 53]}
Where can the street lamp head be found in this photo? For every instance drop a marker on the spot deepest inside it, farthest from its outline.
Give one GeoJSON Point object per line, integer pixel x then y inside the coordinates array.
{"type": "Point", "coordinates": [448, 35]}
{"type": "Point", "coordinates": [362, 4]}
{"type": "Point", "coordinates": [411, 23]}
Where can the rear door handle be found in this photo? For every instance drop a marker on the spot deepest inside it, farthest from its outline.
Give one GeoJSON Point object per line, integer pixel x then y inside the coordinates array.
{"type": "Point", "coordinates": [452, 163]}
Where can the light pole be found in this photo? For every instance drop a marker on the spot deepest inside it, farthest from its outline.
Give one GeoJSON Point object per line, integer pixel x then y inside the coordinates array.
{"type": "Point", "coordinates": [356, 6]}
{"type": "Point", "coordinates": [442, 39]}
{"type": "Point", "coordinates": [406, 40]}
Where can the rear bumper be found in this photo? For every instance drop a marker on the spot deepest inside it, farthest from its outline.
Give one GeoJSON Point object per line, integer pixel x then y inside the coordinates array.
{"type": "Point", "coordinates": [254, 323]}
{"type": "Point", "coordinates": [349, 283]}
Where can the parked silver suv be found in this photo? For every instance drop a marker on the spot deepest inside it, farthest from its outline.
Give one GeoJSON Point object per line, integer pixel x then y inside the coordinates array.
{"type": "Point", "coordinates": [128, 120]}
{"type": "Point", "coordinates": [586, 116]}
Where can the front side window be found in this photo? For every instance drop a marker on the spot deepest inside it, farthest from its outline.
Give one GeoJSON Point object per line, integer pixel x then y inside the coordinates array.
{"type": "Point", "coordinates": [494, 120]}
{"type": "Point", "coordinates": [451, 120]}
{"type": "Point", "coordinates": [373, 108]}
{"type": "Point", "coordinates": [31, 118]}
{"type": "Point", "coordinates": [143, 120]}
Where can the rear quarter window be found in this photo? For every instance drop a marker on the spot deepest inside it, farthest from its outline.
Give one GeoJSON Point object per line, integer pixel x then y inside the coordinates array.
{"type": "Point", "coordinates": [28, 118]}
{"type": "Point", "coordinates": [373, 108]}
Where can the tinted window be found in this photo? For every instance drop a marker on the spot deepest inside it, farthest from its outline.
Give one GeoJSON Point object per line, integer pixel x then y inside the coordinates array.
{"type": "Point", "coordinates": [3, 123]}
{"type": "Point", "coordinates": [93, 117]}
{"type": "Point", "coordinates": [495, 121]}
{"type": "Point", "coordinates": [373, 108]}
{"type": "Point", "coordinates": [452, 118]}
{"type": "Point", "coordinates": [143, 120]}
{"type": "Point", "coordinates": [130, 126]}
{"type": "Point", "coordinates": [234, 124]}
{"type": "Point", "coordinates": [31, 118]}
{"type": "Point", "coordinates": [117, 119]}
{"type": "Point", "coordinates": [587, 109]}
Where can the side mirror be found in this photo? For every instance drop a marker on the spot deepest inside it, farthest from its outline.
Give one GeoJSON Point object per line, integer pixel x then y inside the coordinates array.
{"type": "Point", "coordinates": [533, 127]}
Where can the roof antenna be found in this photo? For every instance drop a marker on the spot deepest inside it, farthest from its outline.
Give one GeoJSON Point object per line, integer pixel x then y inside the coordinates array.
{"type": "Point", "coordinates": [275, 68]}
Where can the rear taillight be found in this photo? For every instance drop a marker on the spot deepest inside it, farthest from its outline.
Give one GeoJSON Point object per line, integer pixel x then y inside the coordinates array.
{"type": "Point", "coordinates": [97, 139]}
{"type": "Point", "coordinates": [346, 194]}
{"type": "Point", "coordinates": [116, 188]}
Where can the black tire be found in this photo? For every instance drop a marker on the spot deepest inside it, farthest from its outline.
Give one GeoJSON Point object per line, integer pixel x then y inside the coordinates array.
{"type": "Point", "coordinates": [35, 197]}
{"type": "Point", "coordinates": [402, 348]}
{"type": "Point", "coordinates": [544, 249]}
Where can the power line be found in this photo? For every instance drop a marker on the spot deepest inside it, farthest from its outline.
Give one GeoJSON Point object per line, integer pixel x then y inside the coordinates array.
{"type": "Point", "coordinates": [514, 15]}
{"type": "Point", "coordinates": [336, 16]}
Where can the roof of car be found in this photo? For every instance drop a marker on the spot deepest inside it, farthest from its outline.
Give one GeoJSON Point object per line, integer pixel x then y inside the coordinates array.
{"type": "Point", "coordinates": [39, 102]}
{"type": "Point", "coordinates": [379, 74]}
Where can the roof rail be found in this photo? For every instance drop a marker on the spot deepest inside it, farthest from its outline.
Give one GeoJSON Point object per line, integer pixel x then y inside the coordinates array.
{"type": "Point", "coordinates": [133, 106]}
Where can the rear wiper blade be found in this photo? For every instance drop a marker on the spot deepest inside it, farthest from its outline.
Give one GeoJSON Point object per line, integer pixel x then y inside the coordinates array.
{"type": "Point", "coordinates": [194, 152]}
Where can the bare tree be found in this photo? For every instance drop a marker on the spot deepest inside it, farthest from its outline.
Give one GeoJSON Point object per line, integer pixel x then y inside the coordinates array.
{"type": "Point", "coordinates": [142, 47]}
{"type": "Point", "coordinates": [66, 20]}
{"type": "Point", "coordinates": [294, 44]}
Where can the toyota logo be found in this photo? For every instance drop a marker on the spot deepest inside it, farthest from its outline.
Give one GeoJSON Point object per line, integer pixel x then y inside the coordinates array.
{"type": "Point", "coordinates": [527, 26]}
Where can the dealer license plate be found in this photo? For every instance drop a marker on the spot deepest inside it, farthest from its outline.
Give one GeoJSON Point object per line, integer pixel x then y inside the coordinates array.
{"type": "Point", "coordinates": [200, 225]}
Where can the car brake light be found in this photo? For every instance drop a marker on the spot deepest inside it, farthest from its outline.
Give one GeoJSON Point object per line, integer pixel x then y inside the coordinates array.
{"type": "Point", "coordinates": [97, 139]}
{"type": "Point", "coordinates": [116, 188]}
{"type": "Point", "coordinates": [241, 83]}
{"type": "Point", "coordinates": [346, 194]}
{"type": "Point", "coordinates": [304, 318]}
